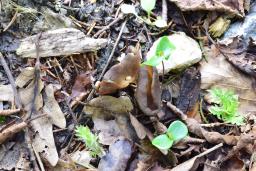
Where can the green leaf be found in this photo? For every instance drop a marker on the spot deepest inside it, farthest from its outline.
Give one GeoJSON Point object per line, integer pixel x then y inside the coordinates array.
{"type": "Point", "coordinates": [154, 61]}
{"type": "Point", "coordinates": [162, 142]}
{"type": "Point", "coordinates": [164, 48]}
{"type": "Point", "coordinates": [226, 106]}
{"type": "Point", "coordinates": [148, 5]}
{"type": "Point", "coordinates": [90, 140]}
{"type": "Point", "coordinates": [162, 52]}
{"type": "Point", "coordinates": [177, 130]}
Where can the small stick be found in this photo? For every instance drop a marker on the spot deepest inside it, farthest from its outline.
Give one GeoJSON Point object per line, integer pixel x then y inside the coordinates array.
{"type": "Point", "coordinates": [12, 21]}
{"type": "Point", "coordinates": [37, 76]}
{"type": "Point", "coordinates": [9, 112]}
{"type": "Point", "coordinates": [109, 59]}
{"type": "Point", "coordinates": [164, 10]}
{"type": "Point", "coordinates": [11, 80]}
{"type": "Point", "coordinates": [108, 26]}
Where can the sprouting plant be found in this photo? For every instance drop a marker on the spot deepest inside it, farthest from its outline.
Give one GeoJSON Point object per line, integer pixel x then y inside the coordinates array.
{"type": "Point", "coordinates": [163, 51]}
{"type": "Point", "coordinates": [148, 7]}
{"type": "Point", "coordinates": [91, 140]}
{"type": "Point", "coordinates": [176, 131]}
{"type": "Point", "coordinates": [226, 106]}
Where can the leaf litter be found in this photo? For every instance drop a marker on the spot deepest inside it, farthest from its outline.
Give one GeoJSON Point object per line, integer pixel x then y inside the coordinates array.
{"type": "Point", "coordinates": [122, 108]}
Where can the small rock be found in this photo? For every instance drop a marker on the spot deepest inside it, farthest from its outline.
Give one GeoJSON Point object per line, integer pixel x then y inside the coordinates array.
{"type": "Point", "coordinates": [187, 52]}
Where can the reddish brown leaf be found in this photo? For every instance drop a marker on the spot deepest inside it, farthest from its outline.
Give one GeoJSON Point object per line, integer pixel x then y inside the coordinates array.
{"type": "Point", "coordinates": [82, 84]}
{"type": "Point", "coordinates": [121, 75]}
{"type": "Point", "coordinates": [148, 93]}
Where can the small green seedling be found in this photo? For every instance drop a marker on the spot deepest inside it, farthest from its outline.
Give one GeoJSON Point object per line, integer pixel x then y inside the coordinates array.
{"type": "Point", "coordinates": [176, 131]}
{"type": "Point", "coordinates": [90, 140]}
{"type": "Point", "coordinates": [227, 106]}
{"type": "Point", "coordinates": [147, 6]}
{"type": "Point", "coordinates": [163, 51]}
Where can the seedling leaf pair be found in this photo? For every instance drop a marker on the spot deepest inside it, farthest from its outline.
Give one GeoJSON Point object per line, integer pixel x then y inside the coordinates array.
{"type": "Point", "coordinates": [163, 51]}
{"type": "Point", "coordinates": [176, 131]}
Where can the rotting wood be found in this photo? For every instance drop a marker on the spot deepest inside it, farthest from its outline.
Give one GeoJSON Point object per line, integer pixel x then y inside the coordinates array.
{"type": "Point", "coordinates": [64, 41]}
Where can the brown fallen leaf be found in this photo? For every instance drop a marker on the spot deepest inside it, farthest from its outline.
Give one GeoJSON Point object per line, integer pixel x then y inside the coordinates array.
{"type": "Point", "coordinates": [121, 75]}
{"type": "Point", "coordinates": [232, 6]}
{"type": "Point", "coordinates": [148, 92]}
{"type": "Point", "coordinates": [117, 157]}
{"type": "Point", "coordinates": [81, 86]}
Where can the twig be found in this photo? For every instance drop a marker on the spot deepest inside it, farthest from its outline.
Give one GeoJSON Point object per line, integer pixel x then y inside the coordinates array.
{"type": "Point", "coordinates": [11, 80]}
{"type": "Point", "coordinates": [108, 26]}
{"type": "Point", "coordinates": [9, 112]}
{"type": "Point", "coordinates": [164, 10]}
{"type": "Point", "coordinates": [109, 59]}
{"type": "Point", "coordinates": [38, 159]}
{"type": "Point", "coordinates": [12, 21]}
{"type": "Point", "coordinates": [37, 77]}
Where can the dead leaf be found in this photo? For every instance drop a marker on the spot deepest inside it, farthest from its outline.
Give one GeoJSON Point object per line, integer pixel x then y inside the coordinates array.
{"type": "Point", "coordinates": [117, 157]}
{"type": "Point", "coordinates": [109, 130]}
{"type": "Point", "coordinates": [138, 127]}
{"type": "Point", "coordinates": [43, 141]}
{"type": "Point", "coordinates": [233, 164]}
{"type": "Point", "coordinates": [82, 84]}
{"type": "Point", "coordinates": [82, 158]}
{"type": "Point", "coordinates": [107, 106]}
{"type": "Point", "coordinates": [6, 93]}
{"type": "Point", "coordinates": [233, 6]}
{"type": "Point", "coordinates": [121, 75]}
{"type": "Point", "coordinates": [219, 73]}
{"type": "Point", "coordinates": [148, 93]}
{"type": "Point", "coordinates": [26, 95]}
{"type": "Point", "coordinates": [9, 155]}
{"type": "Point", "coordinates": [25, 76]}
{"type": "Point", "coordinates": [52, 108]}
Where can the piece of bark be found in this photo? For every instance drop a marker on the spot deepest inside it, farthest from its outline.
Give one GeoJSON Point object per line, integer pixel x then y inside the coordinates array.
{"type": "Point", "coordinates": [190, 89]}
{"type": "Point", "coordinates": [64, 41]}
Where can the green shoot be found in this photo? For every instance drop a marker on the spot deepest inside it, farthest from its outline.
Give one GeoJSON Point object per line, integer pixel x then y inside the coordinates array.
{"type": "Point", "coordinates": [176, 131]}
{"type": "Point", "coordinates": [90, 140]}
{"type": "Point", "coordinates": [163, 52]}
{"type": "Point", "coordinates": [148, 5]}
{"type": "Point", "coordinates": [227, 106]}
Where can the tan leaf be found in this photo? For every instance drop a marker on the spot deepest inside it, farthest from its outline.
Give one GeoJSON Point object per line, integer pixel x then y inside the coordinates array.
{"type": "Point", "coordinates": [121, 75]}
{"type": "Point", "coordinates": [52, 108]}
{"type": "Point", "coordinates": [43, 141]}
{"type": "Point", "coordinates": [6, 93]}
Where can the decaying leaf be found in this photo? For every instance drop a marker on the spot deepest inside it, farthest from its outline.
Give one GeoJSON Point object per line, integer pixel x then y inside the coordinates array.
{"type": "Point", "coordinates": [26, 95]}
{"type": "Point", "coordinates": [139, 128]}
{"type": "Point", "coordinates": [82, 158]}
{"type": "Point", "coordinates": [82, 84]}
{"type": "Point", "coordinates": [6, 93]}
{"type": "Point", "coordinates": [121, 75]}
{"type": "Point", "coordinates": [233, 7]}
{"type": "Point", "coordinates": [43, 140]}
{"type": "Point", "coordinates": [109, 130]}
{"type": "Point", "coordinates": [25, 76]}
{"type": "Point", "coordinates": [219, 73]}
{"type": "Point", "coordinates": [148, 93]}
{"type": "Point", "coordinates": [118, 156]}
{"type": "Point", "coordinates": [9, 155]}
{"type": "Point", "coordinates": [106, 106]}
{"type": "Point", "coordinates": [52, 108]}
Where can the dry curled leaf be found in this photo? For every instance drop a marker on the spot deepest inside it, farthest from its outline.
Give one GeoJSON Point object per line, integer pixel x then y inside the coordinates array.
{"type": "Point", "coordinates": [82, 84]}
{"type": "Point", "coordinates": [121, 75]}
{"type": "Point", "coordinates": [148, 93]}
